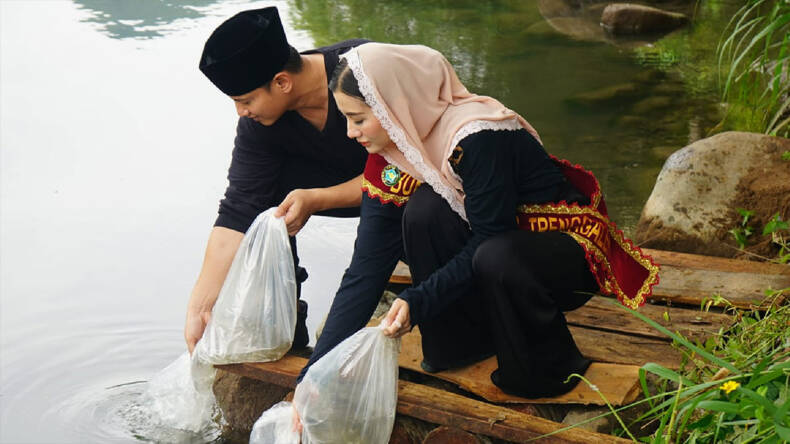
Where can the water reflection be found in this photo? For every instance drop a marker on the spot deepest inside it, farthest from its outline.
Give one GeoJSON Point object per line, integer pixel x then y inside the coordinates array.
{"type": "Point", "coordinates": [111, 176]}
{"type": "Point", "coordinates": [140, 19]}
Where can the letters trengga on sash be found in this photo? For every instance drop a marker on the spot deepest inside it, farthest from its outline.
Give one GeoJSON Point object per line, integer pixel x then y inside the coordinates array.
{"type": "Point", "coordinates": [619, 267]}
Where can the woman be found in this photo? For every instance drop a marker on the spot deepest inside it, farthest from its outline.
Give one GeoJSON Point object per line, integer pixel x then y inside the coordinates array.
{"type": "Point", "coordinates": [500, 238]}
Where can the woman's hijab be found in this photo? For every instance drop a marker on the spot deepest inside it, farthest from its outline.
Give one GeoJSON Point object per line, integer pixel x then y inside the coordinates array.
{"type": "Point", "coordinates": [426, 110]}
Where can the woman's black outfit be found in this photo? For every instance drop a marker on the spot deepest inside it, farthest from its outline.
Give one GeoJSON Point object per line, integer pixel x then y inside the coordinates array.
{"type": "Point", "coordinates": [479, 288]}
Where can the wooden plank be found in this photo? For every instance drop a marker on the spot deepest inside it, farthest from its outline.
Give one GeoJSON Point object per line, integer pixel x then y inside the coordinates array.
{"type": "Point", "coordinates": [599, 313]}
{"type": "Point", "coordinates": [440, 407]}
{"type": "Point", "coordinates": [443, 408]}
{"type": "Point", "coordinates": [619, 383]}
{"type": "Point", "coordinates": [401, 274]}
{"type": "Point", "coordinates": [604, 346]}
{"type": "Point", "coordinates": [689, 283]}
{"type": "Point", "coordinates": [692, 286]}
{"type": "Point", "coordinates": [697, 261]}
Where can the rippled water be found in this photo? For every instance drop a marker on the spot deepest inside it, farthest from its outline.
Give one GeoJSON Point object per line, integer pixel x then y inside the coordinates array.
{"type": "Point", "coordinates": [113, 155]}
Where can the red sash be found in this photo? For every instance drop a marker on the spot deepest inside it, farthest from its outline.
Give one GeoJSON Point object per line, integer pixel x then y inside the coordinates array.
{"type": "Point", "coordinates": [376, 172]}
{"type": "Point", "coordinates": [620, 267]}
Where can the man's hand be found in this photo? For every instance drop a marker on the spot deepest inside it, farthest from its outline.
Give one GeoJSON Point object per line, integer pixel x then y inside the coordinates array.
{"type": "Point", "coordinates": [296, 423]}
{"type": "Point", "coordinates": [397, 319]}
{"type": "Point", "coordinates": [297, 207]}
{"type": "Point", "coordinates": [194, 328]}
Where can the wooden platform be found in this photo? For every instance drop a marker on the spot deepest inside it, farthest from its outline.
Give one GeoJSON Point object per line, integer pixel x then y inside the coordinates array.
{"type": "Point", "coordinates": [690, 279]}
{"type": "Point", "coordinates": [618, 383]}
{"type": "Point", "coordinates": [615, 340]}
{"type": "Point", "coordinates": [443, 408]}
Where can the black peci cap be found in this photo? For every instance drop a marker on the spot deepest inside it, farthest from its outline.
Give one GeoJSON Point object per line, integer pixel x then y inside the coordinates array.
{"type": "Point", "coordinates": [245, 51]}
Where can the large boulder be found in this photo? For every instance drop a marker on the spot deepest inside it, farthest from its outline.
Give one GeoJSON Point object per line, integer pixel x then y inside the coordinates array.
{"type": "Point", "coordinates": [693, 206]}
{"type": "Point", "coordinates": [628, 18]}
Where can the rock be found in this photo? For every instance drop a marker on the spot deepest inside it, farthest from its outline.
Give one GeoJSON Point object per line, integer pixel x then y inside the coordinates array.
{"type": "Point", "coordinates": [651, 104]}
{"type": "Point", "coordinates": [578, 19]}
{"type": "Point", "coordinates": [607, 95]}
{"type": "Point", "coordinates": [577, 415]}
{"type": "Point", "coordinates": [627, 18]}
{"type": "Point", "coordinates": [693, 205]}
{"type": "Point", "coordinates": [242, 400]}
{"type": "Point", "coordinates": [578, 28]}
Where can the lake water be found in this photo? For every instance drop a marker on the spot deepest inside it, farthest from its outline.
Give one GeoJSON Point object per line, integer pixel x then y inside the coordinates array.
{"type": "Point", "coordinates": [114, 150]}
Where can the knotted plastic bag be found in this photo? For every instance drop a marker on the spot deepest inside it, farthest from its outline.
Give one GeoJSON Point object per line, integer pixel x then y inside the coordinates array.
{"type": "Point", "coordinates": [348, 396]}
{"type": "Point", "coordinates": [275, 426]}
{"type": "Point", "coordinates": [254, 317]}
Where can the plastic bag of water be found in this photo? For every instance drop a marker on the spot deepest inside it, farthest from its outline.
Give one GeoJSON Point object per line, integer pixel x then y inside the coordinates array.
{"type": "Point", "coordinates": [181, 397]}
{"type": "Point", "coordinates": [349, 395]}
{"type": "Point", "coordinates": [253, 320]}
{"type": "Point", "coordinates": [254, 317]}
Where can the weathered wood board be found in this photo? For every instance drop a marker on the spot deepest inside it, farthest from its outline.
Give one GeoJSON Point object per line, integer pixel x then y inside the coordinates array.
{"type": "Point", "coordinates": [690, 279]}
{"type": "Point", "coordinates": [701, 262]}
{"type": "Point", "coordinates": [601, 313]}
{"type": "Point", "coordinates": [619, 383]}
{"type": "Point", "coordinates": [689, 286]}
{"type": "Point", "coordinates": [443, 408]}
{"type": "Point", "coordinates": [615, 348]}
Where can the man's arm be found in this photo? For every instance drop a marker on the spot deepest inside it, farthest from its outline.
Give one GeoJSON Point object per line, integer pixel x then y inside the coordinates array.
{"type": "Point", "coordinates": [300, 204]}
{"type": "Point", "coordinates": [220, 251]}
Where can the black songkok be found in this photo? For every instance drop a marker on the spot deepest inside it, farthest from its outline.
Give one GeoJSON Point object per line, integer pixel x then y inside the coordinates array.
{"type": "Point", "coordinates": [246, 51]}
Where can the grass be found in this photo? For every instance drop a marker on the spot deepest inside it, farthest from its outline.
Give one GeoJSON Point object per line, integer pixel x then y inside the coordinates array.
{"type": "Point", "coordinates": [733, 388]}
{"type": "Point", "coordinates": [754, 66]}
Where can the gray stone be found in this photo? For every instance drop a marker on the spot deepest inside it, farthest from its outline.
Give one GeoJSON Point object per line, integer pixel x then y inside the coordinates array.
{"type": "Point", "coordinates": [651, 104]}
{"type": "Point", "coordinates": [607, 95]}
{"type": "Point", "coordinates": [693, 205]}
{"type": "Point", "coordinates": [578, 415]}
{"type": "Point", "coordinates": [242, 400]}
{"type": "Point", "coordinates": [628, 18]}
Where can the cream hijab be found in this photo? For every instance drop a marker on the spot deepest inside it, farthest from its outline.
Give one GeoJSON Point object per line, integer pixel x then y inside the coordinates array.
{"type": "Point", "coordinates": [416, 95]}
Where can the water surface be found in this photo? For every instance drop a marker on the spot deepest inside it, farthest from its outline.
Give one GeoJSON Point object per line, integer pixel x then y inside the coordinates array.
{"type": "Point", "coordinates": [114, 150]}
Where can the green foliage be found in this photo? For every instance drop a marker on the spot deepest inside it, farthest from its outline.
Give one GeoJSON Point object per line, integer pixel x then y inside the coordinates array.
{"type": "Point", "coordinates": [733, 388]}
{"type": "Point", "coordinates": [786, 156]}
{"type": "Point", "coordinates": [775, 225]}
{"type": "Point", "coordinates": [776, 228]}
{"type": "Point", "coordinates": [743, 231]}
{"type": "Point", "coordinates": [754, 56]}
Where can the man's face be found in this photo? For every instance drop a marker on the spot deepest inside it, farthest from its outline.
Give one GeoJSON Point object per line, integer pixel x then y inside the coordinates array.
{"type": "Point", "coordinates": [263, 105]}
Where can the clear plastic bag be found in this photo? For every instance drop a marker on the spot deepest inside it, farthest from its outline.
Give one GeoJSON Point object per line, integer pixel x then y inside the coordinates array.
{"type": "Point", "coordinates": [350, 394]}
{"type": "Point", "coordinates": [275, 426]}
{"type": "Point", "coordinates": [181, 397]}
{"type": "Point", "coordinates": [254, 317]}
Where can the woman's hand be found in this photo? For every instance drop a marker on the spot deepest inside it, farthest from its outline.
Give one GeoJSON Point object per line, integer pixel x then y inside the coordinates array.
{"type": "Point", "coordinates": [397, 319]}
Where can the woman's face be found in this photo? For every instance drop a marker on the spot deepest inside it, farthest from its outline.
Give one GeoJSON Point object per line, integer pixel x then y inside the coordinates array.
{"type": "Point", "coordinates": [362, 125]}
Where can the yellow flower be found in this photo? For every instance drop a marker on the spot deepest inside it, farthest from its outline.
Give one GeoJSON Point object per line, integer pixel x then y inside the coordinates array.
{"type": "Point", "coordinates": [729, 386]}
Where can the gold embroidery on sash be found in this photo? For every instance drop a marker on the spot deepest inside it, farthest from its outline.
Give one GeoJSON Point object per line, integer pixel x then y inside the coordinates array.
{"type": "Point", "coordinates": [586, 227]}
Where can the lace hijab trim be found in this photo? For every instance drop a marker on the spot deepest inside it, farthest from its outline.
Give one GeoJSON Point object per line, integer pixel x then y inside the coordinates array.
{"type": "Point", "coordinates": [430, 175]}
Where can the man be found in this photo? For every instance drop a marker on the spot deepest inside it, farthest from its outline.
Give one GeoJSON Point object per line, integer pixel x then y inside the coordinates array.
{"type": "Point", "coordinates": [291, 148]}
